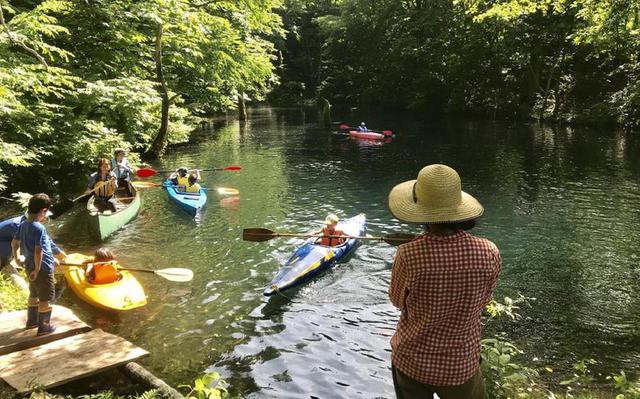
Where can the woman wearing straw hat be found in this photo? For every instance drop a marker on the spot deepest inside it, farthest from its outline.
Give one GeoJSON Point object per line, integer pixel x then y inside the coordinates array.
{"type": "Point", "coordinates": [441, 282]}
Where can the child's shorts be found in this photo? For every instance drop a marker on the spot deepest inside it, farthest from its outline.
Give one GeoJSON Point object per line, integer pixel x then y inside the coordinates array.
{"type": "Point", "coordinates": [43, 287]}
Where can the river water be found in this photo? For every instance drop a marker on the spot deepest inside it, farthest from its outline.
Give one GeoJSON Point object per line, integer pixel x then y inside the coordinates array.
{"type": "Point", "coordinates": [562, 205]}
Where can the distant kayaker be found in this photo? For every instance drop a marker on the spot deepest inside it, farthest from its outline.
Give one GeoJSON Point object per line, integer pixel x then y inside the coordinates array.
{"type": "Point", "coordinates": [441, 282]}
{"type": "Point", "coordinates": [193, 186]}
{"type": "Point", "coordinates": [186, 180]}
{"type": "Point", "coordinates": [180, 177]}
{"type": "Point", "coordinates": [362, 127]}
{"type": "Point", "coordinates": [8, 229]}
{"type": "Point", "coordinates": [329, 230]}
{"type": "Point", "coordinates": [105, 184]}
{"type": "Point", "coordinates": [122, 169]}
{"type": "Point", "coordinates": [39, 251]}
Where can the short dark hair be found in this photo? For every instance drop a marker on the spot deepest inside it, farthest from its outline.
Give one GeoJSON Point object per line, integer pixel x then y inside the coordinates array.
{"type": "Point", "coordinates": [118, 151]}
{"type": "Point", "coordinates": [193, 178]}
{"type": "Point", "coordinates": [38, 202]}
{"type": "Point", "coordinates": [466, 225]}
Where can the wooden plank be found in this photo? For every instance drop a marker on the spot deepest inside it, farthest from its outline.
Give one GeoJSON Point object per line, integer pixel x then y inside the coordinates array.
{"type": "Point", "coordinates": [13, 336]}
{"type": "Point", "coordinates": [65, 360]}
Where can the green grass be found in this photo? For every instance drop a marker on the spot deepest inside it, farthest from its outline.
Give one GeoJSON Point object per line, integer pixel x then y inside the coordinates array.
{"type": "Point", "coordinates": [11, 296]}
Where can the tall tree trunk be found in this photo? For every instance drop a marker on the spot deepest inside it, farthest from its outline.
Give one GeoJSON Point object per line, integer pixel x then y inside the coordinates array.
{"type": "Point", "coordinates": [160, 142]}
{"type": "Point", "coordinates": [242, 110]}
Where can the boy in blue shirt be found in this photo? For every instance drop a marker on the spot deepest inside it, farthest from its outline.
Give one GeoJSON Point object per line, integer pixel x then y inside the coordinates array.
{"type": "Point", "coordinates": [8, 228]}
{"type": "Point", "coordinates": [39, 250]}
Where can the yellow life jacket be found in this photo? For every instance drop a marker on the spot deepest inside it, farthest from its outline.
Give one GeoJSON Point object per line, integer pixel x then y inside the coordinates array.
{"type": "Point", "coordinates": [105, 190]}
{"type": "Point", "coordinates": [105, 273]}
{"type": "Point", "coordinates": [193, 189]}
{"type": "Point", "coordinates": [183, 181]}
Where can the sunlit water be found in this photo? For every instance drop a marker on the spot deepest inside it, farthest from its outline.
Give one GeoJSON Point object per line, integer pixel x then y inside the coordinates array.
{"type": "Point", "coordinates": [563, 206]}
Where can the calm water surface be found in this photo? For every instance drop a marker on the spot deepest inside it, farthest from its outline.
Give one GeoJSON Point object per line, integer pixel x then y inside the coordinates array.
{"type": "Point", "coordinates": [562, 206]}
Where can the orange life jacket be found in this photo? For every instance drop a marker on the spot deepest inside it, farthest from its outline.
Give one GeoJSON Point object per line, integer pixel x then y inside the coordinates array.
{"type": "Point", "coordinates": [106, 190]}
{"type": "Point", "coordinates": [104, 272]}
{"type": "Point", "coordinates": [331, 241]}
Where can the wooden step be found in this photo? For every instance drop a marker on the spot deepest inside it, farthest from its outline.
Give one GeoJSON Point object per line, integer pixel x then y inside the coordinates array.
{"type": "Point", "coordinates": [67, 359]}
{"type": "Point", "coordinates": [13, 336]}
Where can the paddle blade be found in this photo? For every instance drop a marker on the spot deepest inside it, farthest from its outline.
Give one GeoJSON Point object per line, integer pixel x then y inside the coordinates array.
{"type": "Point", "coordinates": [227, 191]}
{"type": "Point", "coordinates": [144, 184]}
{"type": "Point", "coordinates": [175, 274]}
{"type": "Point", "coordinates": [258, 234]}
{"type": "Point", "coordinates": [387, 132]}
{"type": "Point", "coordinates": [146, 172]}
{"type": "Point", "coordinates": [396, 239]}
{"type": "Point", "coordinates": [344, 127]}
{"type": "Point", "coordinates": [232, 168]}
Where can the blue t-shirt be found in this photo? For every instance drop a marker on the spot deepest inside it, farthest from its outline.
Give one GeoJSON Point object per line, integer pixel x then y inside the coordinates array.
{"type": "Point", "coordinates": [8, 229]}
{"type": "Point", "coordinates": [30, 235]}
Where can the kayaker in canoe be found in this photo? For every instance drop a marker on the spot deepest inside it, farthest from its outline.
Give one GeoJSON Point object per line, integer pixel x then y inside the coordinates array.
{"type": "Point", "coordinates": [101, 267]}
{"type": "Point", "coordinates": [105, 183]}
{"type": "Point", "coordinates": [123, 170]}
{"type": "Point", "coordinates": [441, 282]}
{"type": "Point", "coordinates": [363, 127]}
{"type": "Point", "coordinates": [39, 251]}
{"type": "Point", "coordinates": [329, 230]}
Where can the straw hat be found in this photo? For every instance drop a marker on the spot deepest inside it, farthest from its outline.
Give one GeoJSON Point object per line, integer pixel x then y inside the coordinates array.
{"type": "Point", "coordinates": [331, 219]}
{"type": "Point", "coordinates": [435, 197]}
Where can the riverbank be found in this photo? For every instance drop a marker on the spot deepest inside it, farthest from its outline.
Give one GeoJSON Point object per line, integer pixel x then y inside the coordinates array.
{"type": "Point", "coordinates": [506, 376]}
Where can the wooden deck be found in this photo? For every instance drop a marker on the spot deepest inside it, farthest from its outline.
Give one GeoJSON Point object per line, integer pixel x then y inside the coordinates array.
{"type": "Point", "coordinates": [13, 336]}
{"type": "Point", "coordinates": [73, 351]}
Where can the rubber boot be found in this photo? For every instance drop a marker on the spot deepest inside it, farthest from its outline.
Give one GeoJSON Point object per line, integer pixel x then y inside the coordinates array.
{"type": "Point", "coordinates": [44, 323]}
{"type": "Point", "coordinates": [32, 317]}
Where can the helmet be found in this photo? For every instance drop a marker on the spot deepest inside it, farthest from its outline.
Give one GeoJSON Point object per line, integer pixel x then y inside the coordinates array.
{"type": "Point", "coordinates": [362, 123]}
{"type": "Point", "coordinates": [182, 171]}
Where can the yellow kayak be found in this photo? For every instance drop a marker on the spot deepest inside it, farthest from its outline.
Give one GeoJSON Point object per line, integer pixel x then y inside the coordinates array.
{"type": "Point", "coordinates": [124, 294]}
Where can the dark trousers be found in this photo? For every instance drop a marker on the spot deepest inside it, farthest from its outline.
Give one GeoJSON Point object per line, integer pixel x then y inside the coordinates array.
{"type": "Point", "coordinates": [105, 204]}
{"type": "Point", "coordinates": [408, 388]}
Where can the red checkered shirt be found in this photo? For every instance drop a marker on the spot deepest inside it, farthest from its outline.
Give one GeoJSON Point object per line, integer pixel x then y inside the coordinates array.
{"type": "Point", "coordinates": [441, 284]}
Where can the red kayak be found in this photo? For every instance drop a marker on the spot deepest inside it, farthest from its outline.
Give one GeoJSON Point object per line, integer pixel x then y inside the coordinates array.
{"type": "Point", "coordinates": [369, 135]}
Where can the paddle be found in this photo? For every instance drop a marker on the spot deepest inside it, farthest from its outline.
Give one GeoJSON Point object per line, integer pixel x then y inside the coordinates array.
{"type": "Point", "coordinates": [220, 190]}
{"type": "Point", "coordinates": [260, 234]}
{"type": "Point", "coordinates": [171, 274]}
{"type": "Point", "coordinates": [148, 172]}
{"type": "Point", "coordinates": [65, 205]}
{"type": "Point", "coordinates": [385, 132]}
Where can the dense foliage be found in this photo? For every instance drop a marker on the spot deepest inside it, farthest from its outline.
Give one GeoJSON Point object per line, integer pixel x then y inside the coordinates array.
{"type": "Point", "coordinates": [79, 78]}
{"type": "Point", "coordinates": [569, 60]}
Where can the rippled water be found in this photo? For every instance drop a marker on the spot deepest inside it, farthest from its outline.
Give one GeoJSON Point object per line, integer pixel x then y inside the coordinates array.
{"type": "Point", "coordinates": [562, 206]}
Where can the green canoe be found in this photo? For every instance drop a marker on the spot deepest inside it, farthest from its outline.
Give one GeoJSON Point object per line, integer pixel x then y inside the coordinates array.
{"type": "Point", "coordinates": [102, 225]}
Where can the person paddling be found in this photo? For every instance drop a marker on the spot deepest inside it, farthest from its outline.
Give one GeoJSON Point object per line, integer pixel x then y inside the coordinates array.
{"type": "Point", "coordinates": [101, 268]}
{"type": "Point", "coordinates": [329, 230]}
{"type": "Point", "coordinates": [103, 184]}
{"type": "Point", "coordinates": [363, 127]}
{"type": "Point", "coordinates": [441, 282]}
{"type": "Point", "coordinates": [122, 169]}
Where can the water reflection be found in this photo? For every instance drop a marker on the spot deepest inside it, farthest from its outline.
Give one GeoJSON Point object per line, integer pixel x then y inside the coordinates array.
{"type": "Point", "coordinates": [561, 204]}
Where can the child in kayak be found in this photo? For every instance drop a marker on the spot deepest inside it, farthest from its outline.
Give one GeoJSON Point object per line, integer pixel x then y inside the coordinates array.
{"type": "Point", "coordinates": [363, 127]}
{"type": "Point", "coordinates": [101, 267]}
{"type": "Point", "coordinates": [192, 185]}
{"type": "Point", "coordinates": [329, 230]}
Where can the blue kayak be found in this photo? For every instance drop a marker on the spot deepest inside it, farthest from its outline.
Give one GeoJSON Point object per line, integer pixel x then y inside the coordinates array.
{"type": "Point", "coordinates": [312, 259]}
{"type": "Point", "coordinates": [191, 203]}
